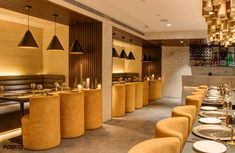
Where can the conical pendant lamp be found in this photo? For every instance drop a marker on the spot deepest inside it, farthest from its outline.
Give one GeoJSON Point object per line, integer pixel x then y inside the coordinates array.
{"type": "Point", "coordinates": [115, 54]}
{"type": "Point", "coordinates": [123, 53]}
{"type": "Point", "coordinates": [131, 56]}
{"type": "Point", "coordinates": [55, 43]}
{"type": "Point", "coordinates": [28, 40]}
{"type": "Point", "coordinates": [76, 48]}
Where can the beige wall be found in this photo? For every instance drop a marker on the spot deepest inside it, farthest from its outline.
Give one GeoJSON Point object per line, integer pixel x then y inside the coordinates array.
{"type": "Point", "coordinates": [56, 62]}
{"type": "Point", "coordinates": [15, 60]}
{"type": "Point", "coordinates": [123, 65]}
{"type": "Point", "coordinates": [175, 63]}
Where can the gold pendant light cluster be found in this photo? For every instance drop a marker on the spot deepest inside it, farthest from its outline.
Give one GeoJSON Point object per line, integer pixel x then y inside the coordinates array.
{"type": "Point", "coordinates": [220, 18]}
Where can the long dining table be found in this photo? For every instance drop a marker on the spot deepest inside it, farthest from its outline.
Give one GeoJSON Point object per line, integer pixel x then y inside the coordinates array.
{"type": "Point", "coordinates": [192, 138]}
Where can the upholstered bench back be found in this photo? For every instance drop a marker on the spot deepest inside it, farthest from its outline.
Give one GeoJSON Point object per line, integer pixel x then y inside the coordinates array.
{"type": "Point", "coordinates": [22, 82]}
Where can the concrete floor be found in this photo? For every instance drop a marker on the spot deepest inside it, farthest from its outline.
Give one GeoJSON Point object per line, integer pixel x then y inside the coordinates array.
{"type": "Point", "coordinates": [117, 135]}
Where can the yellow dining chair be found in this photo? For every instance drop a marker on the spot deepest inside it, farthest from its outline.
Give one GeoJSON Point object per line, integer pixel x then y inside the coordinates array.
{"type": "Point", "coordinates": [41, 128]}
{"type": "Point", "coordinates": [159, 145]}
{"type": "Point", "coordinates": [203, 87]}
{"type": "Point", "coordinates": [195, 100]}
{"type": "Point", "coordinates": [199, 93]}
{"type": "Point", "coordinates": [173, 127]}
{"type": "Point", "coordinates": [71, 114]}
{"type": "Point", "coordinates": [188, 111]}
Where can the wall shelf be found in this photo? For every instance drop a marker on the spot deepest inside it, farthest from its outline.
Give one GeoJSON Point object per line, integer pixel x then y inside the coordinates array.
{"type": "Point", "coordinates": [212, 56]}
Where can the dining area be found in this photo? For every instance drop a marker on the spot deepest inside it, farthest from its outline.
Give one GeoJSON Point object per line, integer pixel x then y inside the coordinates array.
{"type": "Point", "coordinates": [196, 127]}
{"type": "Point", "coordinates": [53, 113]}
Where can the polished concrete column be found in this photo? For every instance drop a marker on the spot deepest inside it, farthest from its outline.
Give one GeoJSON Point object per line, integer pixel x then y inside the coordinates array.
{"type": "Point", "coordinates": [92, 108]}
{"type": "Point", "coordinates": [138, 94]}
{"type": "Point", "coordinates": [146, 92]}
{"type": "Point", "coordinates": [118, 100]}
{"type": "Point", "coordinates": [130, 97]}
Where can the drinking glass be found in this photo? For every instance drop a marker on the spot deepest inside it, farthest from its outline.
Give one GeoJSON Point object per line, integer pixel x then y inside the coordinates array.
{"type": "Point", "coordinates": [231, 121]}
{"type": "Point", "coordinates": [1, 89]}
{"type": "Point", "coordinates": [57, 85]}
{"type": "Point", "coordinates": [40, 87]}
{"type": "Point", "coordinates": [33, 86]}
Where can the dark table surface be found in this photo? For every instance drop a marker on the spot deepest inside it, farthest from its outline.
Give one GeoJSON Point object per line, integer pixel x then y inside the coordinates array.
{"type": "Point", "coordinates": [188, 147]}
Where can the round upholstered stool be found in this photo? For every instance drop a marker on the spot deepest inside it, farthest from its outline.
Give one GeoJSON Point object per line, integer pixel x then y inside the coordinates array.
{"type": "Point", "coordinates": [155, 89]}
{"type": "Point", "coordinates": [118, 100]}
{"type": "Point", "coordinates": [93, 108]}
{"type": "Point", "coordinates": [41, 127]}
{"type": "Point", "coordinates": [146, 92]}
{"type": "Point", "coordinates": [159, 145]}
{"type": "Point", "coordinates": [138, 94]}
{"type": "Point", "coordinates": [71, 114]}
{"type": "Point", "coordinates": [130, 97]}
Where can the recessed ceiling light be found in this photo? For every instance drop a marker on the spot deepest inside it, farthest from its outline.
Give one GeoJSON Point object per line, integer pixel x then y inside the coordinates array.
{"type": "Point", "coordinates": [158, 14]}
{"type": "Point", "coordinates": [181, 41]}
{"type": "Point", "coordinates": [168, 25]}
{"type": "Point", "coordinates": [24, 20]}
{"type": "Point", "coordinates": [146, 26]}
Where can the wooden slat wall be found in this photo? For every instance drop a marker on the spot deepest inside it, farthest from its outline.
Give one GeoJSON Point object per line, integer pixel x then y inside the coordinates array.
{"type": "Point", "coordinates": [156, 54]}
{"type": "Point", "coordinates": [90, 37]}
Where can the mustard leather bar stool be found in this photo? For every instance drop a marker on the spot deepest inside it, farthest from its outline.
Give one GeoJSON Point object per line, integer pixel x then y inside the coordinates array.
{"type": "Point", "coordinates": [202, 90]}
{"type": "Point", "coordinates": [195, 100]}
{"type": "Point", "coordinates": [155, 89]}
{"type": "Point", "coordinates": [188, 111]}
{"type": "Point", "coordinates": [138, 94]}
{"type": "Point", "coordinates": [159, 145]}
{"type": "Point", "coordinates": [173, 127]}
{"type": "Point", "coordinates": [93, 108]}
{"type": "Point", "coordinates": [146, 92]}
{"type": "Point", "coordinates": [118, 100]}
{"type": "Point", "coordinates": [71, 114]}
{"type": "Point", "coordinates": [41, 127]}
{"type": "Point", "coordinates": [130, 97]}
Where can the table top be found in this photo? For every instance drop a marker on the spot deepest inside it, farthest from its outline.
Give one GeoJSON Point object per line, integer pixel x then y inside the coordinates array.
{"type": "Point", "coordinates": [188, 147]}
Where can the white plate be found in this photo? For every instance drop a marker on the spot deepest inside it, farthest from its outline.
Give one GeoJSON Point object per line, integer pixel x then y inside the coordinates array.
{"type": "Point", "coordinates": [210, 120]}
{"type": "Point", "coordinates": [208, 108]}
{"type": "Point", "coordinates": [207, 146]}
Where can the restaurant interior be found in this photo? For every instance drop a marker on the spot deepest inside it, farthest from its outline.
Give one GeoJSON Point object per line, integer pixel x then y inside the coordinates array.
{"type": "Point", "coordinates": [104, 76]}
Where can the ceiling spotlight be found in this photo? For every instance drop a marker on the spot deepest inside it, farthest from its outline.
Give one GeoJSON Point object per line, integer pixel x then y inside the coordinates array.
{"type": "Point", "coordinates": [168, 25]}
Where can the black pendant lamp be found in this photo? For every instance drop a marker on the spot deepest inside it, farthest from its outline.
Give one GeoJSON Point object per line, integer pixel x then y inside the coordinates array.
{"type": "Point", "coordinates": [115, 54]}
{"type": "Point", "coordinates": [28, 40]}
{"type": "Point", "coordinates": [123, 53]}
{"type": "Point", "coordinates": [114, 51]}
{"type": "Point", "coordinates": [131, 56]}
{"type": "Point", "coordinates": [145, 58]}
{"type": "Point", "coordinates": [55, 43]}
{"type": "Point", "coordinates": [76, 48]}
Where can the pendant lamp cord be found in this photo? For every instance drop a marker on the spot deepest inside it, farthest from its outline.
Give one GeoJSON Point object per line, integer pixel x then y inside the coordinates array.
{"type": "Point", "coordinates": [123, 43]}
{"type": "Point", "coordinates": [55, 15]}
{"type": "Point", "coordinates": [28, 17]}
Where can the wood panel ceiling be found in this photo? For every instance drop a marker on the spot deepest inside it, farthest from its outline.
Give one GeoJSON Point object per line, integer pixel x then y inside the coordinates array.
{"type": "Point", "coordinates": [44, 9]}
